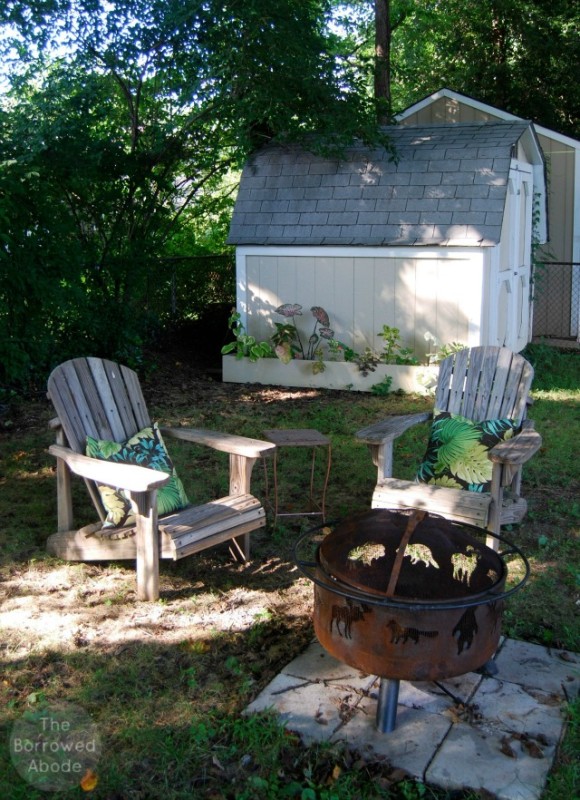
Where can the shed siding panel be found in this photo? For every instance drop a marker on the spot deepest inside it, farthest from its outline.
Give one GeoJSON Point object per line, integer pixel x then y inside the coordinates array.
{"type": "Point", "coordinates": [446, 110]}
{"type": "Point", "coordinates": [441, 296]}
{"type": "Point", "coordinates": [364, 286]}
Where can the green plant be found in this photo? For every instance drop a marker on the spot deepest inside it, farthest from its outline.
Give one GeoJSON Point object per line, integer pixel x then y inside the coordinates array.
{"type": "Point", "coordinates": [318, 365]}
{"type": "Point", "coordinates": [441, 351]}
{"type": "Point", "coordinates": [383, 388]}
{"type": "Point", "coordinates": [367, 361]}
{"type": "Point", "coordinates": [285, 340]}
{"type": "Point", "coordinates": [245, 346]}
{"type": "Point", "coordinates": [393, 353]}
{"type": "Point", "coordinates": [338, 351]}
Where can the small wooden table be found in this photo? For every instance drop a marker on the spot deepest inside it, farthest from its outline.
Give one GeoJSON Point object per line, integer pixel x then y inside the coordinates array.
{"type": "Point", "coordinates": [301, 437]}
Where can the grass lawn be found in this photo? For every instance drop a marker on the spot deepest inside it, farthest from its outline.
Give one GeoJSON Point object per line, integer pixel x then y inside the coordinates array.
{"type": "Point", "coordinates": [165, 682]}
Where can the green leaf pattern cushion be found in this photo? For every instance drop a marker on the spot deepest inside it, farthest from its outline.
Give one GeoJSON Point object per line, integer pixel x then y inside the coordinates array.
{"type": "Point", "coordinates": [145, 449]}
{"type": "Point", "coordinates": [456, 455]}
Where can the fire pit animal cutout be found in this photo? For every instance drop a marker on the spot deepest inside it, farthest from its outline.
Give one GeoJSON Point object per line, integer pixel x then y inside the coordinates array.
{"type": "Point", "coordinates": [407, 596]}
{"type": "Point", "coordinates": [347, 615]}
{"type": "Point", "coordinates": [366, 553]}
{"type": "Point", "coordinates": [400, 634]}
{"type": "Point", "coordinates": [420, 552]}
{"type": "Point", "coordinates": [465, 564]}
{"type": "Point", "coordinates": [465, 630]}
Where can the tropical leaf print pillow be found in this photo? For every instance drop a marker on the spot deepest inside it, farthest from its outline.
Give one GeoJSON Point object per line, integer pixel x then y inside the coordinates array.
{"type": "Point", "coordinates": [456, 454]}
{"type": "Point", "coordinates": [145, 449]}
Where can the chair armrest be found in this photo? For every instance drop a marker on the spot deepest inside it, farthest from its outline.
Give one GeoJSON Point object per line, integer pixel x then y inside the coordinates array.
{"type": "Point", "coordinates": [519, 449]}
{"type": "Point", "coordinates": [225, 442]}
{"type": "Point", "coordinates": [124, 476]}
{"type": "Point", "coordinates": [391, 427]}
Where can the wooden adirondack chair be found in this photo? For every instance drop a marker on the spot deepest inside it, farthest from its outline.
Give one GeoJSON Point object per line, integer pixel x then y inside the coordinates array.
{"type": "Point", "coordinates": [481, 383]}
{"type": "Point", "coordinates": [98, 398]}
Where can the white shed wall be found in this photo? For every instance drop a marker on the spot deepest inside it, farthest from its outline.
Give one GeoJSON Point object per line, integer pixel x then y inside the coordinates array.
{"type": "Point", "coordinates": [439, 291]}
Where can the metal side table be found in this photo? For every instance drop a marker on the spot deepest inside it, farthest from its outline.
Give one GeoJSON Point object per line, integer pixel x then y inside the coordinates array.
{"type": "Point", "coordinates": [302, 437]}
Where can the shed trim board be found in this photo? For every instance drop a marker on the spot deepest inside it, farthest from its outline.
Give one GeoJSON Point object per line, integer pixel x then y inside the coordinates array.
{"type": "Point", "coordinates": [542, 132]}
{"type": "Point", "coordinates": [257, 299]}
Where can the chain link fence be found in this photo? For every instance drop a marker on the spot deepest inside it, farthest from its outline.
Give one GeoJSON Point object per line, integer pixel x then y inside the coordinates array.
{"type": "Point", "coordinates": [184, 288]}
{"type": "Point", "coordinates": [557, 300]}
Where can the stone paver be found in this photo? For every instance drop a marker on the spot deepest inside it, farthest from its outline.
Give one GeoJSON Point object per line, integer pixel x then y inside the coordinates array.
{"type": "Point", "coordinates": [501, 735]}
{"type": "Point", "coordinates": [470, 758]}
{"type": "Point", "coordinates": [539, 668]}
{"type": "Point", "coordinates": [509, 751]}
{"type": "Point", "coordinates": [416, 737]}
{"type": "Point", "coordinates": [314, 694]}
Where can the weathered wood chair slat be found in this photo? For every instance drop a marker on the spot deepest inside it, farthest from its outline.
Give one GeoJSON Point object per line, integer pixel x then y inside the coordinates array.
{"type": "Point", "coordinates": [98, 398]}
{"type": "Point", "coordinates": [478, 383]}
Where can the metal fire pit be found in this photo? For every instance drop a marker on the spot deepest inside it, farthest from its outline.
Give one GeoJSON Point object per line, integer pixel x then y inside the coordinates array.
{"type": "Point", "coordinates": [406, 596]}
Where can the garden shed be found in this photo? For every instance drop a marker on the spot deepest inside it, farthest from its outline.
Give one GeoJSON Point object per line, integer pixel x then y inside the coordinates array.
{"type": "Point", "coordinates": [435, 241]}
{"type": "Point", "coordinates": [556, 307]}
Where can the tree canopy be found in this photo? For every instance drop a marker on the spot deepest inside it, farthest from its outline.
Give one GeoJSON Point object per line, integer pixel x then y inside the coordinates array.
{"type": "Point", "coordinates": [123, 126]}
{"type": "Point", "coordinates": [522, 56]}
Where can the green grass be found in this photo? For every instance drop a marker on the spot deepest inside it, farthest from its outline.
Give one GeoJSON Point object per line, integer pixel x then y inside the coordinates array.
{"type": "Point", "coordinates": [169, 712]}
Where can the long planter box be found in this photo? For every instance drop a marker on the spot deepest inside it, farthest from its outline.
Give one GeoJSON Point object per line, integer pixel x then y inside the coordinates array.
{"type": "Point", "coordinates": [336, 375]}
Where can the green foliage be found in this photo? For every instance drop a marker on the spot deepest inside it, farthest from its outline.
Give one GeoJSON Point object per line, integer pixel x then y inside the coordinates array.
{"type": "Point", "coordinates": [440, 351]}
{"type": "Point", "coordinates": [553, 369]}
{"type": "Point", "coordinates": [383, 388]}
{"type": "Point", "coordinates": [518, 55]}
{"type": "Point", "coordinates": [393, 352]}
{"type": "Point", "coordinates": [123, 154]}
{"type": "Point", "coordinates": [244, 345]}
{"type": "Point", "coordinates": [367, 361]}
{"type": "Point", "coordinates": [338, 351]}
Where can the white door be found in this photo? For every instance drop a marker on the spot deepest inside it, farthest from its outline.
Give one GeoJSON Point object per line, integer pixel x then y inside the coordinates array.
{"type": "Point", "coordinates": [514, 300]}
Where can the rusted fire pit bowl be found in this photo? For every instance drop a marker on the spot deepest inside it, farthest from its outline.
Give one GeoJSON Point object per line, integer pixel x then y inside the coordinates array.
{"type": "Point", "coordinates": [407, 596]}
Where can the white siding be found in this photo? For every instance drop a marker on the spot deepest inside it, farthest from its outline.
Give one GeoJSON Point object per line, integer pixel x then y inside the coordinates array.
{"type": "Point", "coordinates": [433, 291]}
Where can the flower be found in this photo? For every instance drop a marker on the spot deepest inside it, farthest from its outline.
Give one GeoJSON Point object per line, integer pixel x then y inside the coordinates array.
{"type": "Point", "coordinates": [289, 309]}
{"type": "Point", "coordinates": [326, 333]}
{"type": "Point", "coordinates": [321, 315]}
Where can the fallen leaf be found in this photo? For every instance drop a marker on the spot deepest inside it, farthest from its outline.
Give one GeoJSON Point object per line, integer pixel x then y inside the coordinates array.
{"type": "Point", "coordinates": [507, 749]}
{"type": "Point", "coordinates": [398, 775]}
{"type": "Point", "coordinates": [567, 657]}
{"type": "Point", "coordinates": [533, 749]}
{"type": "Point", "coordinates": [89, 781]}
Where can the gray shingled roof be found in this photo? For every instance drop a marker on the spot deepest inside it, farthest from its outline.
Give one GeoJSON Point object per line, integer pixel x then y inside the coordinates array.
{"type": "Point", "coordinates": [448, 187]}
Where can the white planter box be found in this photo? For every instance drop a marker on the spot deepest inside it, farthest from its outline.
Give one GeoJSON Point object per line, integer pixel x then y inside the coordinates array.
{"type": "Point", "coordinates": [337, 375]}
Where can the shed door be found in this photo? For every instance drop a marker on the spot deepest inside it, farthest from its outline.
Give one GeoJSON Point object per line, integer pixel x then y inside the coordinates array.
{"type": "Point", "coordinates": [514, 301]}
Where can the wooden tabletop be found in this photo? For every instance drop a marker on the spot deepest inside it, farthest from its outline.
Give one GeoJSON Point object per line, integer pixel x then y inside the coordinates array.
{"type": "Point", "coordinates": [296, 437]}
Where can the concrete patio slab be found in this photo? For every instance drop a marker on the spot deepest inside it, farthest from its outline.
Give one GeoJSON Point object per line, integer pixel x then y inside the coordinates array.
{"type": "Point", "coordinates": [498, 733]}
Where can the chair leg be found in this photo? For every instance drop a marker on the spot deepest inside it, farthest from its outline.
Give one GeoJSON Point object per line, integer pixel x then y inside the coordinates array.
{"type": "Point", "coordinates": [494, 518]}
{"type": "Point", "coordinates": [147, 535]}
{"type": "Point", "coordinates": [240, 547]}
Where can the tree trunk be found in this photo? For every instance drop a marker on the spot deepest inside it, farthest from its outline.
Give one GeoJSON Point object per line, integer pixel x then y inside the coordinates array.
{"type": "Point", "coordinates": [383, 60]}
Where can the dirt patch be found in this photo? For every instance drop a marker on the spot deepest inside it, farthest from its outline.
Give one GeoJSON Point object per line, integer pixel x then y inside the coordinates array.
{"type": "Point", "coordinates": [71, 606]}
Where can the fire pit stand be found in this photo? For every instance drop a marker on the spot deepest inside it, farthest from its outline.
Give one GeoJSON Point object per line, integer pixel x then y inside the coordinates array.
{"type": "Point", "coordinates": [406, 595]}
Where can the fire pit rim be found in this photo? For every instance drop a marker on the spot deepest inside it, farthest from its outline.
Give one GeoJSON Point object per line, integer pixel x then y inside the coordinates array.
{"type": "Point", "coordinates": [314, 571]}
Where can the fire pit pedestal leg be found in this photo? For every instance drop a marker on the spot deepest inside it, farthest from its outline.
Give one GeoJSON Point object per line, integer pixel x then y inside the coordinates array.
{"type": "Point", "coordinates": [387, 705]}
